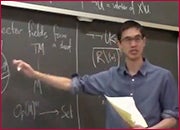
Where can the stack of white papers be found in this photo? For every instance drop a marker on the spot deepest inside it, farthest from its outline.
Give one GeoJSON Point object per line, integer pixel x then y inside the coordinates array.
{"type": "Point", "coordinates": [126, 108]}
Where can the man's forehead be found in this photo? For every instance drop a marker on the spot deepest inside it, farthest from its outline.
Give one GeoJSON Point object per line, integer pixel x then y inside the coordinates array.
{"type": "Point", "coordinates": [131, 32]}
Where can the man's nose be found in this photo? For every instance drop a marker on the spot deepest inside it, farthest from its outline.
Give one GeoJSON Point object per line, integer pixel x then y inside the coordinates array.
{"type": "Point", "coordinates": [133, 42]}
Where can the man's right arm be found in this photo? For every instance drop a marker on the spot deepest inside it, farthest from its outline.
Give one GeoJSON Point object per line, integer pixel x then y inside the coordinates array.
{"type": "Point", "coordinates": [55, 81]}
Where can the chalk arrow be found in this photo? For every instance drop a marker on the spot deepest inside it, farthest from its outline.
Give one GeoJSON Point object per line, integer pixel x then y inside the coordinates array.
{"type": "Point", "coordinates": [50, 112]}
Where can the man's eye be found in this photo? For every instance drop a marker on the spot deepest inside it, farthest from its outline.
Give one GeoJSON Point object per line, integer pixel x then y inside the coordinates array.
{"type": "Point", "coordinates": [127, 39]}
{"type": "Point", "coordinates": [138, 38]}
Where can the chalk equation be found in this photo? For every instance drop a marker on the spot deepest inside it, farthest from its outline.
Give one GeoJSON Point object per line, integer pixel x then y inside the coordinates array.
{"type": "Point", "coordinates": [27, 109]}
{"type": "Point", "coordinates": [107, 37]}
{"type": "Point", "coordinates": [31, 109]}
{"type": "Point", "coordinates": [64, 112]}
{"type": "Point", "coordinates": [105, 55]}
{"type": "Point", "coordinates": [131, 6]}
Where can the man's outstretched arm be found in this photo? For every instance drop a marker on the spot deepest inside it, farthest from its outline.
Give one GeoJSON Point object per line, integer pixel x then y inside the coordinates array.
{"type": "Point", "coordinates": [55, 81]}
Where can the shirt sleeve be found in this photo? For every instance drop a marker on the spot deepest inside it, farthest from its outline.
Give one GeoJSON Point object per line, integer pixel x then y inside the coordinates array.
{"type": "Point", "coordinates": [169, 97]}
{"type": "Point", "coordinates": [95, 84]}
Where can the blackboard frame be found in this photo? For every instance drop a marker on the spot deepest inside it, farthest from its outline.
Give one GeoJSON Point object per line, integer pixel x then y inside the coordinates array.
{"type": "Point", "coordinates": [84, 22]}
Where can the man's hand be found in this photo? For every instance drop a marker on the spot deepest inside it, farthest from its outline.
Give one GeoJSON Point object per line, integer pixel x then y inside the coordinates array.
{"type": "Point", "coordinates": [138, 127]}
{"type": "Point", "coordinates": [24, 68]}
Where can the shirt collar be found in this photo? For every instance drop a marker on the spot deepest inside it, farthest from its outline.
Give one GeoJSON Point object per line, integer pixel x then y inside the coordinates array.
{"type": "Point", "coordinates": [143, 70]}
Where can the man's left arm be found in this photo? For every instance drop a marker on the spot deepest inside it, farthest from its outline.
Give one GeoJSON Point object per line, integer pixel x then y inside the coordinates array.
{"type": "Point", "coordinates": [169, 103]}
{"type": "Point", "coordinates": [165, 123]}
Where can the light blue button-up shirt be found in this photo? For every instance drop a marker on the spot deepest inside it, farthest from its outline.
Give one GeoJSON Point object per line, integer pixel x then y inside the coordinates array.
{"type": "Point", "coordinates": [153, 88]}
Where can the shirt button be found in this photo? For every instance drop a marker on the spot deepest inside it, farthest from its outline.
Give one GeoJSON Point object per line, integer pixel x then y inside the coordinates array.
{"type": "Point", "coordinates": [133, 80]}
{"type": "Point", "coordinates": [131, 94]}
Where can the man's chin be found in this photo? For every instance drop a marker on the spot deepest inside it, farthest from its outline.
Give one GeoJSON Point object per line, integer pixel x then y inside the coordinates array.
{"type": "Point", "coordinates": [134, 58]}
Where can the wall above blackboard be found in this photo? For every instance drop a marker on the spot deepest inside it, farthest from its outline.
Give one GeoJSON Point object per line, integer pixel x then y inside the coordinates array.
{"type": "Point", "coordinates": [149, 14]}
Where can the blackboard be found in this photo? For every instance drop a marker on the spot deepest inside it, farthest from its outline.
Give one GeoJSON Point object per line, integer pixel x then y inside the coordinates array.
{"type": "Point", "coordinates": [139, 10]}
{"type": "Point", "coordinates": [61, 45]}
{"type": "Point", "coordinates": [156, 14]}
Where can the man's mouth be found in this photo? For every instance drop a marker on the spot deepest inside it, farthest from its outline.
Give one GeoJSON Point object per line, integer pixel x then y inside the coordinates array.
{"type": "Point", "coordinates": [133, 51]}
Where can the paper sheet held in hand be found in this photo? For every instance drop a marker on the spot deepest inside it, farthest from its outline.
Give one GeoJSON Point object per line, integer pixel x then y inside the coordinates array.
{"type": "Point", "coordinates": [126, 108]}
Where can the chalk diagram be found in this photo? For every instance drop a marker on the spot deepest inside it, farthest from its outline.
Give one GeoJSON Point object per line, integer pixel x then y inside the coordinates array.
{"type": "Point", "coordinates": [5, 74]}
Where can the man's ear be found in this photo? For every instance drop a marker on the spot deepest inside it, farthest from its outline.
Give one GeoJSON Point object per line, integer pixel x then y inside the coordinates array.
{"type": "Point", "coordinates": [144, 39]}
{"type": "Point", "coordinates": [119, 44]}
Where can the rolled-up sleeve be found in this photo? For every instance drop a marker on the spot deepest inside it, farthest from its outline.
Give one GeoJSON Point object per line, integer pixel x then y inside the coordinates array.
{"type": "Point", "coordinates": [169, 98]}
{"type": "Point", "coordinates": [95, 84]}
{"type": "Point", "coordinates": [75, 85]}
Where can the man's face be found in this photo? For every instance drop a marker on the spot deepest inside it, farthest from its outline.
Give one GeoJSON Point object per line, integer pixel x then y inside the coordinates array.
{"type": "Point", "coordinates": [132, 43]}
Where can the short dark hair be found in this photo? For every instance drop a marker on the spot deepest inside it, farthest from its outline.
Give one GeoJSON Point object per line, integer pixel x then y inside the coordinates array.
{"type": "Point", "coordinates": [130, 24]}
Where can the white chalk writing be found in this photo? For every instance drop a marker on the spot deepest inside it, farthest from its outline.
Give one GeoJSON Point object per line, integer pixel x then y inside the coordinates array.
{"type": "Point", "coordinates": [61, 39]}
{"type": "Point", "coordinates": [38, 48]}
{"type": "Point", "coordinates": [26, 110]}
{"type": "Point", "coordinates": [5, 72]}
{"type": "Point", "coordinates": [105, 56]}
{"type": "Point", "coordinates": [143, 8]}
{"type": "Point", "coordinates": [108, 37]}
{"type": "Point", "coordinates": [139, 7]}
{"type": "Point", "coordinates": [65, 112]}
{"type": "Point", "coordinates": [36, 30]}
{"type": "Point", "coordinates": [58, 35]}
{"type": "Point", "coordinates": [37, 85]}
{"type": "Point", "coordinates": [11, 30]}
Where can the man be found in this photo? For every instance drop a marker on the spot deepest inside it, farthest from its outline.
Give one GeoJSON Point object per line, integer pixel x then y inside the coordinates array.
{"type": "Point", "coordinates": [153, 88]}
